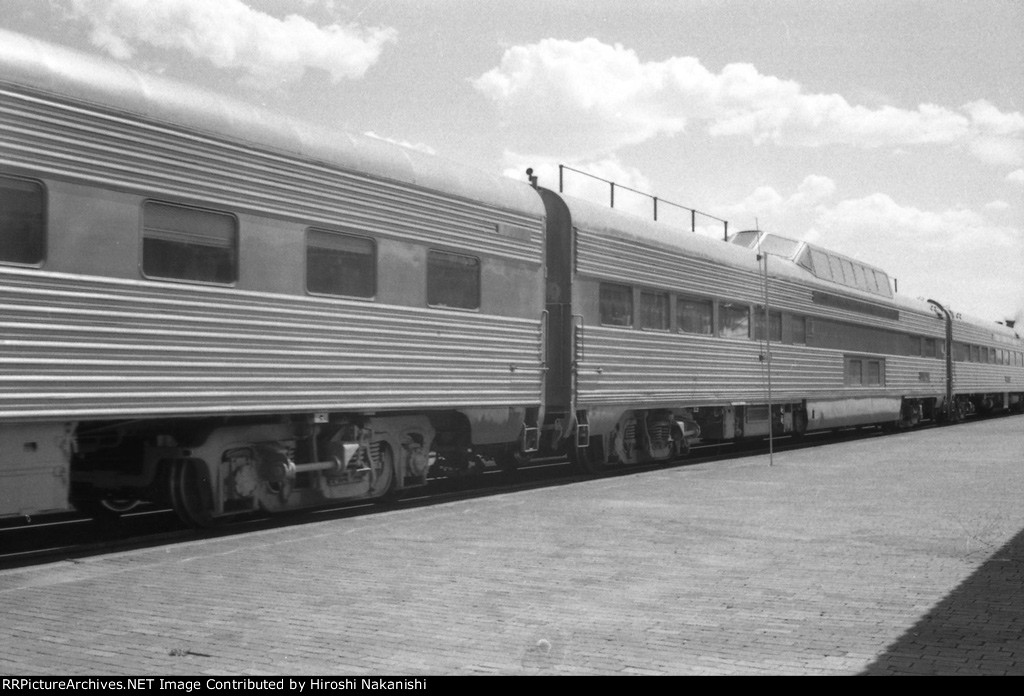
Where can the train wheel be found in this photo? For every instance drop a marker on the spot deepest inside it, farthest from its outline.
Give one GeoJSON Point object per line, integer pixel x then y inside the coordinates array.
{"type": "Point", "coordinates": [590, 459]}
{"type": "Point", "coordinates": [191, 497]}
{"type": "Point", "coordinates": [383, 481]}
{"type": "Point", "coordinates": [680, 447]}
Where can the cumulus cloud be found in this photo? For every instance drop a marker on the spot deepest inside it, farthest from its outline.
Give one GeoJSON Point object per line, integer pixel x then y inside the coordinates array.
{"type": "Point", "coordinates": [972, 263]}
{"type": "Point", "coordinates": [594, 97]}
{"type": "Point", "coordinates": [590, 97]}
{"type": "Point", "coordinates": [1016, 176]}
{"type": "Point", "coordinates": [780, 213]}
{"type": "Point", "coordinates": [230, 34]}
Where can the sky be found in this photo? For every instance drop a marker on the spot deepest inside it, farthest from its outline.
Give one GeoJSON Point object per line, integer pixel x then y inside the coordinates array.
{"type": "Point", "coordinates": [891, 131]}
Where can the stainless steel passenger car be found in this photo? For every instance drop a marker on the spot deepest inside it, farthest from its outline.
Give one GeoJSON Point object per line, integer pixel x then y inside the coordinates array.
{"type": "Point", "coordinates": [210, 306]}
{"type": "Point", "coordinates": [205, 305]}
{"type": "Point", "coordinates": [658, 335]}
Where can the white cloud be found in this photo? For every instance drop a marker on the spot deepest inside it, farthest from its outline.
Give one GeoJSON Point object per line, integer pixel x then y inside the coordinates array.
{"type": "Point", "coordinates": [419, 147]}
{"type": "Point", "coordinates": [957, 256]}
{"type": "Point", "coordinates": [785, 215]}
{"type": "Point", "coordinates": [592, 98]}
{"type": "Point", "coordinates": [997, 206]}
{"type": "Point", "coordinates": [1016, 176]}
{"type": "Point", "coordinates": [230, 34]}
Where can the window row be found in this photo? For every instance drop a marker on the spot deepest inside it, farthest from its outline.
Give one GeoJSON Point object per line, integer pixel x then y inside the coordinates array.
{"type": "Point", "coordinates": [191, 244]}
{"type": "Point", "coordinates": [965, 352]}
{"type": "Point", "coordinates": [663, 311]}
{"type": "Point", "coordinates": [844, 271]}
{"type": "Point", "coordinates": [692, 315]}
{"type": "Point", "coordinates": [864, 372]}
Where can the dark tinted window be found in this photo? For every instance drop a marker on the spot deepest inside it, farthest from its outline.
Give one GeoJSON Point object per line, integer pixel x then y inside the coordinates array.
{"type": "Point", "coordinates": [654, 312]}
{"type": "Point", "coordinates": [800, 330]}
{"type": "Point", "coordinates": [875, 372]}
{"type": "Point", "coordinates": [340, 264]}
{"type": "Point", "coordinates": [616, 305]}
{"type": "Point", "coordinates": [855, 373]}
{"type": "Point", "coordinates": [189, 244]}
{"type": "Point", "coordinates": [22, 223]}
{"type": "Point", "coordinates": [694, 316]}
{"type": "Point", "coordinates": [960, 351]}
{"type": "Point", "coordinates": [775, 320]}
{"type": "Point", "coordinates": [453, 280]}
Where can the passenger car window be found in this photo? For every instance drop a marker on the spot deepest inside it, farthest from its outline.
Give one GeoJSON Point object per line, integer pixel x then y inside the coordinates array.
{"type": "Point", "coordinates": [855, 373]}
{"type": "Point", "coordinates": [733, 320]}
{"type": "Point", "coordinates": [775, 321]}
{"type": "Point", "coordinates": [183, 243]}
{"type": "Point", "coordinates": [654, 310]}
{"type": "Point", "coordinates": [694, 316]}
{"type": "Point", "coordinates": [616, 304]}
{"type": "Point", "coordinates": [340, 264]}
{"type": "Point", "coordinates": [875, 373]}
{"type": "Point", "coordinates": [22, 221]}
{"type": "Point", "coordinates": [837, 269]}
{"type": "Point", "coordinates": [453, 280]}
{"type": "Point", "coordinates": [822, 266]}
{"type": "Point", "coordinates": [800, 330]}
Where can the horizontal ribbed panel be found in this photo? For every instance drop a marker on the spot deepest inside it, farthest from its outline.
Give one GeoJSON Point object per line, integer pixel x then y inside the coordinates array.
{"type": "Point", "coordinates": [75, 347]}
{"type": "Point", "coordinates": [637, 367]}
{"type": "Point", "coordinates": [686, 369]}
{"type": "Point", "coordinates": [977, 377]}
{"type": "Point", "coordinates": [89, 145]}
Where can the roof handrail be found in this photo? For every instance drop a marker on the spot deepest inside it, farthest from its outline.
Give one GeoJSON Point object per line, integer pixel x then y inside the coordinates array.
{"type": "Point", "coordinates": [693, 212]}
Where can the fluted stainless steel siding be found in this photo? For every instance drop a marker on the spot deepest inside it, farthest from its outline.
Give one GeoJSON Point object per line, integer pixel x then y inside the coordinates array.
{"type": "Point", "coordinates": [75, 347]}
{"type": "Point", "coordinates": [622, 366]}
{"type": "Point", "coordinates": [96, 146]}
{"type": "Point", "coordinates": [626, 366]}
{"type": "Point", "coordinates": [975, 378]}
{"type": "Point", "coordinates": [972, 377]}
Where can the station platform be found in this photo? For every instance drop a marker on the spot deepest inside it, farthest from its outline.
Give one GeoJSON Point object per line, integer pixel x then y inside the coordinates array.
{"type": "Point", "coordinates": [901, 554]}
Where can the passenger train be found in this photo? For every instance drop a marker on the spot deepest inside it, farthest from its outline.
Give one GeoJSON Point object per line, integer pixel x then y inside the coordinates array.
{"type": "Point", "coordinates": [208, 306]}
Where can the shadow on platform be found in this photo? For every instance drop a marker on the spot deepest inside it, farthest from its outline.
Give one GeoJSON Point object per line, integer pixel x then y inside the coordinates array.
{"type": "Point", "coordinates": [978, 629]}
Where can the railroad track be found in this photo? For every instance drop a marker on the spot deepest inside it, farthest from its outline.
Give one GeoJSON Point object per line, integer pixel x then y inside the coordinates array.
{"type": "Point", "coordinates": [72, 537]}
